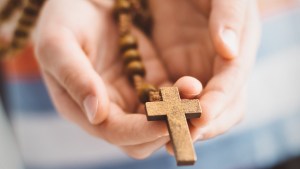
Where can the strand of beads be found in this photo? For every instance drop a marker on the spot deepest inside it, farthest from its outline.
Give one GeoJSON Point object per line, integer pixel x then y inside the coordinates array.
{"type": "Point", "coordinates": [24, 27]}
{"type": "Point", "coordinates": [9, 9]}
{"type": "Point", "coordinates": [142, 18]}
{"type": "Point", "coordinates": [129, 51]}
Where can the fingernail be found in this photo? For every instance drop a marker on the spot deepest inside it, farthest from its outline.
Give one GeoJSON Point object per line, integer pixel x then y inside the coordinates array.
{"type": "Point", "coordinates": [90, 104]}
{"type": "Point", "coordinates": [229, 37]}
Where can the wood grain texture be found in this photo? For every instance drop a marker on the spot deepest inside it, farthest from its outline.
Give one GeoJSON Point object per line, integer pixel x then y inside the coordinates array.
{"type": "Point", "coordinates": [176, 112]}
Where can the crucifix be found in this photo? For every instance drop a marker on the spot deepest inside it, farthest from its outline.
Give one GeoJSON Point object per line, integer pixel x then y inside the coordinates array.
{"type": "Point", "coordinates": [176, 112]}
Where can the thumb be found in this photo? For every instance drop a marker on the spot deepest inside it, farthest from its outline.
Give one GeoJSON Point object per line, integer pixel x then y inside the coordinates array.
{"type": "Point", "coordinates": [189, 87]}
{"type": "Point", "coordinates": [62, 57]}
{"type": "Point", "coordinates": [226, 24]}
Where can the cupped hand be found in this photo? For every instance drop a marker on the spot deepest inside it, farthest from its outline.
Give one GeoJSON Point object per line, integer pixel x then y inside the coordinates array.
{"type": "Point", "coordinates": [214, 41]}
{"type": "Point", "coordinates": [77, 50]}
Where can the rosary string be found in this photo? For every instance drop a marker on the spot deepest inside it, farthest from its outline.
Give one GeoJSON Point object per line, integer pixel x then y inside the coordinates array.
{"type": "Point", "coordinates": [126, 10]}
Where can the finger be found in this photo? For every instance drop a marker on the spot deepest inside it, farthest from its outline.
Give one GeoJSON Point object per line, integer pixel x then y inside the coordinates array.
{"type": "Point", "coordinates": [169, 148]}
{"type": "Point", "coordinates": [230, 75]}
{"type": "Point", "coordinates": [63, 102]}
{"type": "Point", "coordinates": [119, 128]}
{"type": "Point", "coordinates": [131, 129]}
{"type": "Point", "coordinates": [226, 24]}
{"type": "Point", "coordinates": [143, 151]}
{"type": "Point", "coordinates": [61, 56]}
{"type": "Point", "coordinates": [226, 120]}
{"type": "Point", "coordinates": [189, 87]}
{"type": "Point", "coordinates": [219, 92]}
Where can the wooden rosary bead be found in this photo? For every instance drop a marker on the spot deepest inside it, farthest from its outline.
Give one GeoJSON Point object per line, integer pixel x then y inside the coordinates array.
{"type": "Point", "coordinates": [135, 68]}
{"type": "Point", "coordinates": [144, 92]}
{"type": "Point", "coordinates": [128, 41]}
{"type": "Point", "coordinates": [131, 55]}
{"type": "Point", "coordinates": [26, 23]}
{"type": "Point", "coordinates": [9, 9]}
{"type": "Point", "coordinates": [37, 2]}
{"type": "Point", "coordinates": [123, 6]}
{"type": "Point", "coordinates": [31, 11]}
{"type": "Point", "coordinates": [155, 96]}
{"type": "Point", "coordinates": [21, 33]}
{"type": "Point", "coordinates": [124, 23]}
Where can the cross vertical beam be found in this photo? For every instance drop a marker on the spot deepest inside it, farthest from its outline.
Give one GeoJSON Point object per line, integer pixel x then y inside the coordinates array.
{"type": "Point", "coordinates": [175, 111]}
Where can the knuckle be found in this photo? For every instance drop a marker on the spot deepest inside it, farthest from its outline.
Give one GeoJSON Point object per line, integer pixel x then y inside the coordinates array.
{"type": "Point", "coordinates": [69, 76]}
{"type": "Point", "coordinates": [47, 42]}
{"type": "Point", "coordinates": [50, 41]}
{"type": "Point", "coordinates": [75, 82]}
{"type": "Point", "coordinates": [234, 12]}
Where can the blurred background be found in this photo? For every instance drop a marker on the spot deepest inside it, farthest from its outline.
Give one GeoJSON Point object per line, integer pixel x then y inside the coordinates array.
{"type": "Point", "coordinates": [33, 136]}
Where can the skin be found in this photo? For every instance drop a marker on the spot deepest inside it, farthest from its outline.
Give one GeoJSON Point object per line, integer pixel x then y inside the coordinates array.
{"type": "Point", "coordinates": [78, 56]}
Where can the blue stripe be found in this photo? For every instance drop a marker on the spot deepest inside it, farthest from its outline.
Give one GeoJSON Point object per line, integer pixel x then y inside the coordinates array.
{"type": "Point", "coordinates": [28, 97]}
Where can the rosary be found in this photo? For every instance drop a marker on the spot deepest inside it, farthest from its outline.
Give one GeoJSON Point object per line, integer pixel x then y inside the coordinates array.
{"type": "Point", "coordinates": [161, 104]}
{"type": "Point", "coordinates": [164, 104]}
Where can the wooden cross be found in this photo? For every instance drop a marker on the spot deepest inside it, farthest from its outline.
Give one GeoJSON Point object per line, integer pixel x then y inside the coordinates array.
{"type": "Point", "coordinates": [175, 111]}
